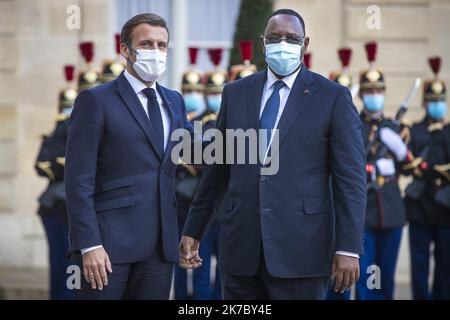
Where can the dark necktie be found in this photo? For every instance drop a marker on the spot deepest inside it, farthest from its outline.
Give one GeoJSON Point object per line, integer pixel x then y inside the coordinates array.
{"type": "Point", "coordinates": [270, 112]}
{"type": "Point", "coordinates": [156, 122]}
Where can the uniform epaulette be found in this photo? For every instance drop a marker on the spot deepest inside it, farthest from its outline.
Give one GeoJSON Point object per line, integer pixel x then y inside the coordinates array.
{"type": "Point", "coordinates": [208, 118]}
{"type": "Point", "coordinates": [47, 134]}
{"type": "Point", "coordinates": [61, 160]}
{"type": "Point", "coordinates": [62, 117]}
{"type": "Point", "coordinates": [435, 126]}
{"type": "Point", "coordinates": [407, 123]}
{"type": "Point", "coordinates": [46, 167]}
{"type": "Point", "coordinates": [443, 169]}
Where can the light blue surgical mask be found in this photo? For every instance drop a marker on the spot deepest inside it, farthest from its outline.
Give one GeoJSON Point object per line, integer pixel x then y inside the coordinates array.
{"type": "Point", "coordinates": [214, 102]}
{"type": "Point", "coordinates": [67, 111]}
{"type": "Point", "coordinates": [194, 101]}
{"type": "Point", "coordinates": [283, 58]}
{"type": "Point", "coordinates": [437, 109]}
{"type": "Point", "coordinates": [373, 102]}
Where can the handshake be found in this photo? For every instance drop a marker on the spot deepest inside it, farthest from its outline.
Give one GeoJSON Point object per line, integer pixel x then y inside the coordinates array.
{"type": "Point", "coordinates": [189, 253]}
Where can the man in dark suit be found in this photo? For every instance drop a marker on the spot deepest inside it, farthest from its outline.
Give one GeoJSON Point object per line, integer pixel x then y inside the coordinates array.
{"type": "Point", "coordinates": [283, 235]}
{"type": "Point", "coordinates": [52, 203]}
{"type": "Point", "coordinates": [429, 219]}
{"type": "Point", "coordinates": [119, 174]}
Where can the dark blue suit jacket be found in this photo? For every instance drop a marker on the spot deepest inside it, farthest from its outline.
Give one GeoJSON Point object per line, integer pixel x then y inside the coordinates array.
{"type": "Point", "coordinates": [120, 190]}
{"type": "Point", "coordinates": [290, 215]}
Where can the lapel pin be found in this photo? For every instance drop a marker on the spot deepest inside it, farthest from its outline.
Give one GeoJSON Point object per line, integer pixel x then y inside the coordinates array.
{"type": "Point", "coordinates": [306, 92]}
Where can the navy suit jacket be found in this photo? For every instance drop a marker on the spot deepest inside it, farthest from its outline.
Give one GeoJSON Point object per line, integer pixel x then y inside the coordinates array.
{"type": "Point", "coordinates": [312, 207]}
{"type": "Point", "coordinates": [120, 190]}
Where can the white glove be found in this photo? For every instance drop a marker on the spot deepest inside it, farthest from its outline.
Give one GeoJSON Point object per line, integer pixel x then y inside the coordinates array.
{"type": "Point", "coordinates": [394, 142]}
{"type": "Point", "coordinates": [385, 166]}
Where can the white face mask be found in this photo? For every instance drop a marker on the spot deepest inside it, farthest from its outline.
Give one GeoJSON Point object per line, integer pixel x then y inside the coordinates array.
{"type": "Point", "coordinates": [150, 64]}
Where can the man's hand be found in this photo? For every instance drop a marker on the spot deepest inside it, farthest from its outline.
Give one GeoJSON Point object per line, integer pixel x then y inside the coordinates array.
{"type": "Point", "coordinates": [95, 265]}
{"type": "Point", "coordinates": [345, 272]}
{"type": "Point", "coordinates": [189, 248]}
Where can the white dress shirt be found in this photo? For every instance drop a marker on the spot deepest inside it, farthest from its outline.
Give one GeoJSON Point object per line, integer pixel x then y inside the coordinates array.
{"type": "Point", "coordinates": [284, 95]}
{"type": "Point", "coordinates": [284, 92]}
{"type": "Point", "coordinates": [138, 86]}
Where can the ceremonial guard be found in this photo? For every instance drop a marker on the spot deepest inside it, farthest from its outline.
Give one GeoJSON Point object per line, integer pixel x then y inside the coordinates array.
{"type": "Point", "coordinates": [193, 89]}
{"type": "Point", "coordinates": [428, 196]}
{"type": "Point", "coordinates": [386, 150]}
{"type": "Point", "coordinates": [187, 179]}
{"type": "Point", "coordinates": [112, 68]}
{"type": "Point", "coordinates": [52, 202]}
{"type": "Point", "coordinates": [246, 68]}
{"type": "Point", "coordinates": [88, 77]}
{"type": "Point", "coordinates": [343, 76]}
{"type": "Point", "coordinates": [214, 81]}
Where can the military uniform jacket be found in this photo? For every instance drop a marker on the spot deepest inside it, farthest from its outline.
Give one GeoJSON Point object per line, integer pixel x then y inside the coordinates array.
{"type": "Point", "coordinates": [425, 210]}
{"type": "Point", "coordinates": [385, 207]}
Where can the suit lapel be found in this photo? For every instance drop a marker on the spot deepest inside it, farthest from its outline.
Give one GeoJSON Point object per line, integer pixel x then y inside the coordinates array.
{"type": "Point", "coordinates": [134, 105]}
{"type": "Point", "coordinates": [299, 97]}
{"type": "Point", "coordinates": [168, 105]}
{"type": "Point", "coordinates": [254, 96]}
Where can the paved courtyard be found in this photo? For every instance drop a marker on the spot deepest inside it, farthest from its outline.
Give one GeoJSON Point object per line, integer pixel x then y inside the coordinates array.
{"type": "Point", "coordinates": [17, 283]}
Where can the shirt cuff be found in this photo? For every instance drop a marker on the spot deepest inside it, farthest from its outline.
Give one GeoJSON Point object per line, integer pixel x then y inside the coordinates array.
{"type": "Point", "coordinates": [348, 254]}
{"type": "Point", "coordinates": [83, 251]}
